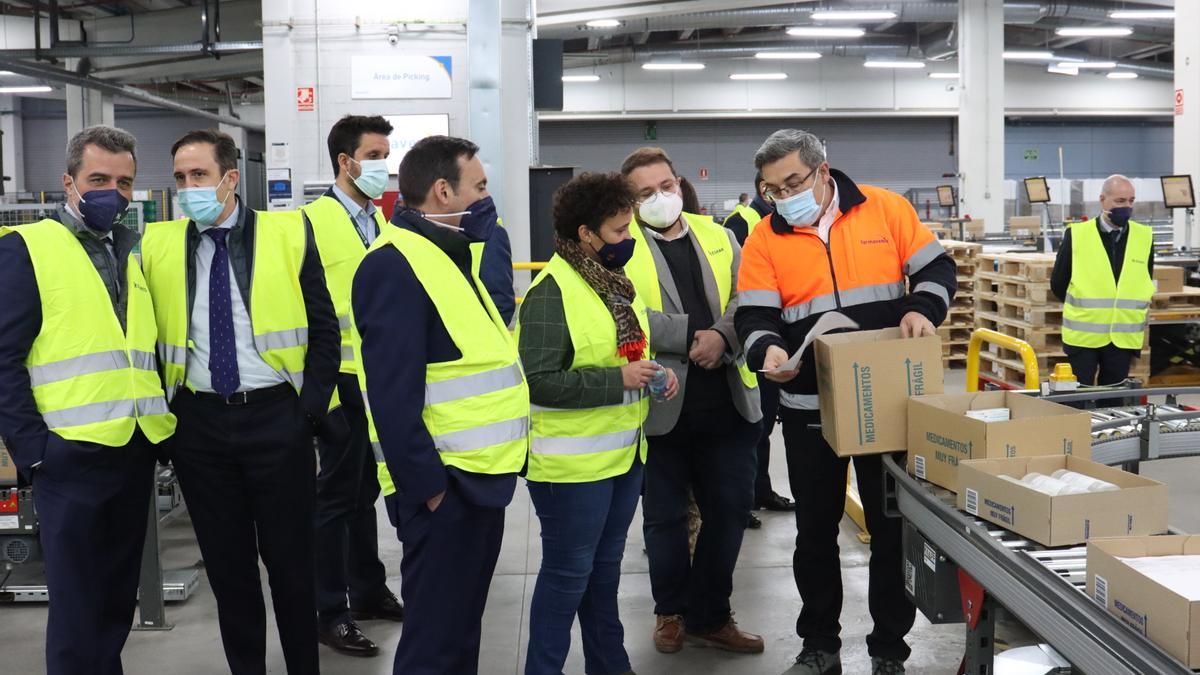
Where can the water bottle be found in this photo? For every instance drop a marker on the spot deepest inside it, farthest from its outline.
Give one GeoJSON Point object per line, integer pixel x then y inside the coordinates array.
{"type": "Point", "coordinates": [658, 384]}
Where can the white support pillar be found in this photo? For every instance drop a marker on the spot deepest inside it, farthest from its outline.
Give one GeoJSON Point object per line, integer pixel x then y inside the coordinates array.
{"type": "Point", "coordinates": [981, 111]}
{"type": "Point", "coordinates": [519, 123]}
{"type": "Point", "coordinates": [1187, 121]}
{"type": "Point", "coordinates": [77, 112]}
{"type": "Point", "coordinates": [14, 155]}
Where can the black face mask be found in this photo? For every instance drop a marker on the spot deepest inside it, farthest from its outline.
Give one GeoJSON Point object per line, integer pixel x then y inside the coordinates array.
{"type": "Point", "coordinates": [102, 209]}
{"type": "Point", "coordinates": [615, 256]}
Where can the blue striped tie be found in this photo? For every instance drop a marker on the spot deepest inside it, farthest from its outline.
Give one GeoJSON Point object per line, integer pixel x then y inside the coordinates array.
{"type": "Point", "coordinates": [222, 345]}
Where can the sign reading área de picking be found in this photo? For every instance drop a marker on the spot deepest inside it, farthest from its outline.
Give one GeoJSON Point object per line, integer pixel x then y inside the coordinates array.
{"type": "Point", "coordinates": [400, 77]}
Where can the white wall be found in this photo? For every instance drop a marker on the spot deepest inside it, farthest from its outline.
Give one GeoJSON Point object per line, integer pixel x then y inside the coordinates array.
{"type": "Point", "coordinates": [836, 84]}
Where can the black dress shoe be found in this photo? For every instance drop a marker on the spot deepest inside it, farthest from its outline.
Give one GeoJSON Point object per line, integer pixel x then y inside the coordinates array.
{"type": "Point", "coordinates": [775, 502]}
{"type": "Point", "coordinates": [388, 608]}
{"type": "Point", "coordinates": [345, 637]}
{"type": "Point", "coordinates": [753, 523]}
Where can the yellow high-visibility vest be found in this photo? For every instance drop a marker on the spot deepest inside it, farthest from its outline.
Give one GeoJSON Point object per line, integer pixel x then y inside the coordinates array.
{"type": "Point", "coordinates": [748, 214]}
{"type": "Point", "coordinates": [91, 381]}
{"type": "Point", "coordinates": [341, 250]}
{"type": "Point", "coordinates": [1099, 309]}
{"type": "Point", "coordinates": [718, 253]}
{"type": "Point", "coordinates": [277, 312]}
{"type": "Point", "coordinates": [582, 445]}
{"type": "Point", "coordinates": [477, 407]}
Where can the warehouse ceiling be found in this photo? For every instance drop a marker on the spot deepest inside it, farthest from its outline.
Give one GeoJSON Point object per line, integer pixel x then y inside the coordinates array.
{"type": "Point", "coordinates": [921, 29]}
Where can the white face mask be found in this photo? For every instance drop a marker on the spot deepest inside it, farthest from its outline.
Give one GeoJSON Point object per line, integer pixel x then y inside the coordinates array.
{"type": "Point", "coordinates": [661, 210]}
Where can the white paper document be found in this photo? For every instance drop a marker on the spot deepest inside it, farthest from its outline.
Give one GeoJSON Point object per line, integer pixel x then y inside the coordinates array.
{"type": "Point", "coordinates": [1179, 573]}
{"type": "Point", "coordinates": [829, 321]}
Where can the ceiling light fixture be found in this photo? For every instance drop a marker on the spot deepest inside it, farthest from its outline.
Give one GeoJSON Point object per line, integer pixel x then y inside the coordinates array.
{"type": "Point", "coordinates": [1122, 75]}
{"type": "Point", "coordinates": [885, 63]}
{"type": "Point", "coordinates": [672, 66]}
{"type": "Point", "coordinates": [25, 90]}
{"type": "Point", "coordinates": [1093, 31]}
{"type": "Point", "coordinates": [1023, 55]}
{"type": "Point", "coordinates": [603, 23]}
{"type": "Point", "coordinates": [580, 78]}
{"type": "Point", "coordinates": [944, 76]}
{"type": "Point", "coordinates": [1062, 69]}
{"type": "Point", "coordinates": [853, 15]}
{"type": "Point", "coordinates": [1096, 65]}
{"type": "Point", "coordinates": [788, 56]}
{"type": "Point", "coordinates": [825, 31]}
{"type": "Point", "coordinates": [758, 76]}
{"type": "Point", "coordinates": [1142, 14]}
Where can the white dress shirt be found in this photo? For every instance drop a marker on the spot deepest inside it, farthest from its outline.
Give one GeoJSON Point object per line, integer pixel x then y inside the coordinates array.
{"type": "Point", "coordinates": [363, 217]}
{"type": "Point", "coordinates": [254, 373]}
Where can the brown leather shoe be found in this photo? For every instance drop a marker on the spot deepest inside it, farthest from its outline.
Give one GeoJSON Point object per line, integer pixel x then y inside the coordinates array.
{"type": "Point", "coordinates": [730, 638]}
{"type": "Point", "coordinates": [668, 633]}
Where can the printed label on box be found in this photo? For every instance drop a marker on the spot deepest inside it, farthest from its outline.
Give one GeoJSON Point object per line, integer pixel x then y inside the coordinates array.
{"type": "Point", "coordinates": [920, 466]}
{"type": "Point", "coordinates": [1005, 514]}
{"type": "Point", "coordinates": [1101, 592]}
{"type": "Point", "coordinates": [930, 557]}
{"type": "Point", "coordinates": [910, 577]}
{"type": "Point", "coordinates": [1133, 619]}
{"type": "Point", "coordinates": [972, 502]}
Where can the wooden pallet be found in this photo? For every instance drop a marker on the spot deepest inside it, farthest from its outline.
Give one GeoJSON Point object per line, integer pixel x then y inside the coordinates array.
{"type": "Point", "coordinates": [1179, 301]}
{"type": "Point", "coordinates": [957, 332]}
{"type": "Point", "coordinates": [1041, 338]}
{"type": "Point", "coordinates": [1019, 309]}
{"type": "Point", "coordinates": [962, 250]}
{"type": "Point", "coordinates": [1034, 267]}
{"type": "Point", "coordinates": [1014, 287]}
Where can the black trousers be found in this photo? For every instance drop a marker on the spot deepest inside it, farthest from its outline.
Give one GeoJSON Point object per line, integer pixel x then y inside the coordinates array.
{"type": "Point", "coordinates": [449, 557]}
{"type": "Point", "coordinates": [92, 503]}
{"type": "Point", "coordinates": [769, 391]}
{"type": "Point", "coordinates": [818, 479]}
{"type": "Point", "coordinates": [347, 558]}
{"type": "Point", "coordinates": [1111, 363]}
{"type": "Point", "coordinates": [713, 453]}
{"type": "Point", "coordinates": [247, 473]}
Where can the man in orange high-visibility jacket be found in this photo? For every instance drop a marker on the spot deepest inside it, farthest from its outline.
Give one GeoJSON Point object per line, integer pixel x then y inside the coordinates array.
{"type": "Point", "coordinates": [832, 244]}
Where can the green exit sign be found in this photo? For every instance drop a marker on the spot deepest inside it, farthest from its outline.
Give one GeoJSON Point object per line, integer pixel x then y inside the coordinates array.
{"type": "Point", "coordinates": [1031, 155]}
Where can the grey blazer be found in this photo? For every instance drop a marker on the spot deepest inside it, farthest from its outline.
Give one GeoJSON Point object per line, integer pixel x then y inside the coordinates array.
{"type": "Point", "coordinates": [669, 337]}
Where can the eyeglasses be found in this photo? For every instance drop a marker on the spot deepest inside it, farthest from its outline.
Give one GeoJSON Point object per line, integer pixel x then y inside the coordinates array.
{"type": "Point", "coordinates": [789, 188]}
{"type": "Point", "coordinates": [666, 186]}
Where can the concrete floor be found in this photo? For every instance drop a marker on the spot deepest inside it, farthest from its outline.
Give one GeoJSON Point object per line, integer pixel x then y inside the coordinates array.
{"type": "Point", "coordinates": [765, 600]}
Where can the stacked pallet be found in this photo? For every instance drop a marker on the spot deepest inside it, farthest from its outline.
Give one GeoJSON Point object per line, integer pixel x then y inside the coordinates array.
{"type": "Point", "coordinates": [955, 331]}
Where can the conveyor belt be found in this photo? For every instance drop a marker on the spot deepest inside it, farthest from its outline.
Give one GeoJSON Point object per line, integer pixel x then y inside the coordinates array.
{"type": "Point", "coordinates": [1043, 588]}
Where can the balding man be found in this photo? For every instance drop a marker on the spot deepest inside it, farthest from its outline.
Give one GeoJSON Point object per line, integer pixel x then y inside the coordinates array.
{"type": "Point", "coordinates": [1104, 275]}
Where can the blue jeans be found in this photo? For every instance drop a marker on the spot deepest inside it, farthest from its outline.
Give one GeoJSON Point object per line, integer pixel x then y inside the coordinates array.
{"type": "Point", "coordinates": [584, 526]}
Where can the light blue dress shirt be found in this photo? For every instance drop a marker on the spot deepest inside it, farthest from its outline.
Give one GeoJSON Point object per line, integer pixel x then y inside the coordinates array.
{"type": "Point", "coordinates": [253, 372]}
{"type": "Point", "coordinates": [364, 218]}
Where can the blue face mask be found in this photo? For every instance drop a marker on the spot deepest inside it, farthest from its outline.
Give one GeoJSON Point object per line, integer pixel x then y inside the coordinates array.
{"type": "Point", "coordinates": [615, 256]}
{"type": "Point", "coordinates": [1120, 216]}
{"type": "Point", "coordinates": [799, 210]}
{"type": "Point", "coordinates": [102, 209]}
{"type": "Point", "coordinates": [476, 223]}
{"type": "Point", "coordinates": [372, 178]}
{"type": "Point", "coordinates": [201, 203]}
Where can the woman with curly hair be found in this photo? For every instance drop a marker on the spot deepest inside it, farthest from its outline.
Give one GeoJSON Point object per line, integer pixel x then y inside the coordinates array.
{"type": "Point", "coordinates": [583, 337]}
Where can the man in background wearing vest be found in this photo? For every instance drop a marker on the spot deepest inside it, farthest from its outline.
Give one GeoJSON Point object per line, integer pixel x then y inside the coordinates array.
{"type": "Point", "coordinates": [345, 222]}
{"type": "Point", "coordinates": [249, 344]}
{"type": "Point", "coordinates": [685, 269]}
{"type": "Point", "coordinates": [81, 405]}
{"type": "Point", "coordinates": [831, 243]}
{"type": "Point", "coordinates": [1104, 274]}
{"type": "Point", "coordinates": [741, 222]}
{"type": "Point", "coordinates": [447, 403]}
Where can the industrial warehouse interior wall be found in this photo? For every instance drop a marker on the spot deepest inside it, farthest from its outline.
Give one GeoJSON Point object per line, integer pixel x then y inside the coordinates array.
{"type": "Point", "coordinates": [837, 83]}
{"type": "Point", "coordinates": [897, 153]}
{"type": "Point", "coordinates": [310, 74]}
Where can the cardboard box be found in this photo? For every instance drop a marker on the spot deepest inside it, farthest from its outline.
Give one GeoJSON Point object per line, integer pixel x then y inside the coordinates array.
{"type": "Point", "coordinates": [1025, 227]}
{"type": "Point", "coordinates": [1138, 508]}
{"type": "Point", "coordinates": [1168, 619]}
{"type": "Point", "coordinates": [1170, 279]}
{"type": "Point", "coordinates": [8, 468]}
{"type": "Point", "coordinates": [972, 230]}
{"type": "Point", "coordinates": [940, 434]}
{"type": "Point", "coordinates": [865, 378]}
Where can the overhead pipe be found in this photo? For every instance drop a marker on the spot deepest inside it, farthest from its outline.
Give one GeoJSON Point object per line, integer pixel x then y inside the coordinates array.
{"type": "Point", "coordinates": [65, 77]}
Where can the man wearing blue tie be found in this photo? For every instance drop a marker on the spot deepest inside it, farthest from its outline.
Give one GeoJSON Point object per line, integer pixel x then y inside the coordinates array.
{"type": "Point", "coordinates": [249, 346]}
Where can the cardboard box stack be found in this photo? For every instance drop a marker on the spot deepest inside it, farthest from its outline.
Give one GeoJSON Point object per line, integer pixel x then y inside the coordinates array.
{"type": "Point", "coordinates": [941, 434]}
{"type": "Point", "coordinates": [956, 330]}
{"type": "Point", "coordinates": [1025, 228]}
{"type": "Point", "coordinates": [865, 379]}
{"type": "Point", "coordinates": [1152, 584]}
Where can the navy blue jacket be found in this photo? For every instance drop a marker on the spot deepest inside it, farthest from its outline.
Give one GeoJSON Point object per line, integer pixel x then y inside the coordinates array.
{"type": "Point", "coordinates": [496, 273]}
{"type": "Point", "coordinates": [401, 333]}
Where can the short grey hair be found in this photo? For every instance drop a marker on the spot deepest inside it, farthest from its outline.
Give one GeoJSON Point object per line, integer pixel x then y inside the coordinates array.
{"type": "Point", "coordinates": [786, 141]}
{"type": "Point", "coordinates": [1111, 183]}
{"type": "Point", "coordinates": [107, 138]}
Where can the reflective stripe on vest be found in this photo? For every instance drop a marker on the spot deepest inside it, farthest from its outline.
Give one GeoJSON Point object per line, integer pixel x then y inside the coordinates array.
{"type": "Point", "coordinates": [341, 247]}
{"type": "Point", "coordinates": [91, 381]}
{"type": "Point", "coordinates": [587, 444]}
{"type": "Point", "coordinates": [1098, 309]}
{"type": "Point", "coordinates": [476, 408]}
{"type": "Point", "coordinates": [714, 243]}
{"type": "Point", "coordinates": [277, 311]}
